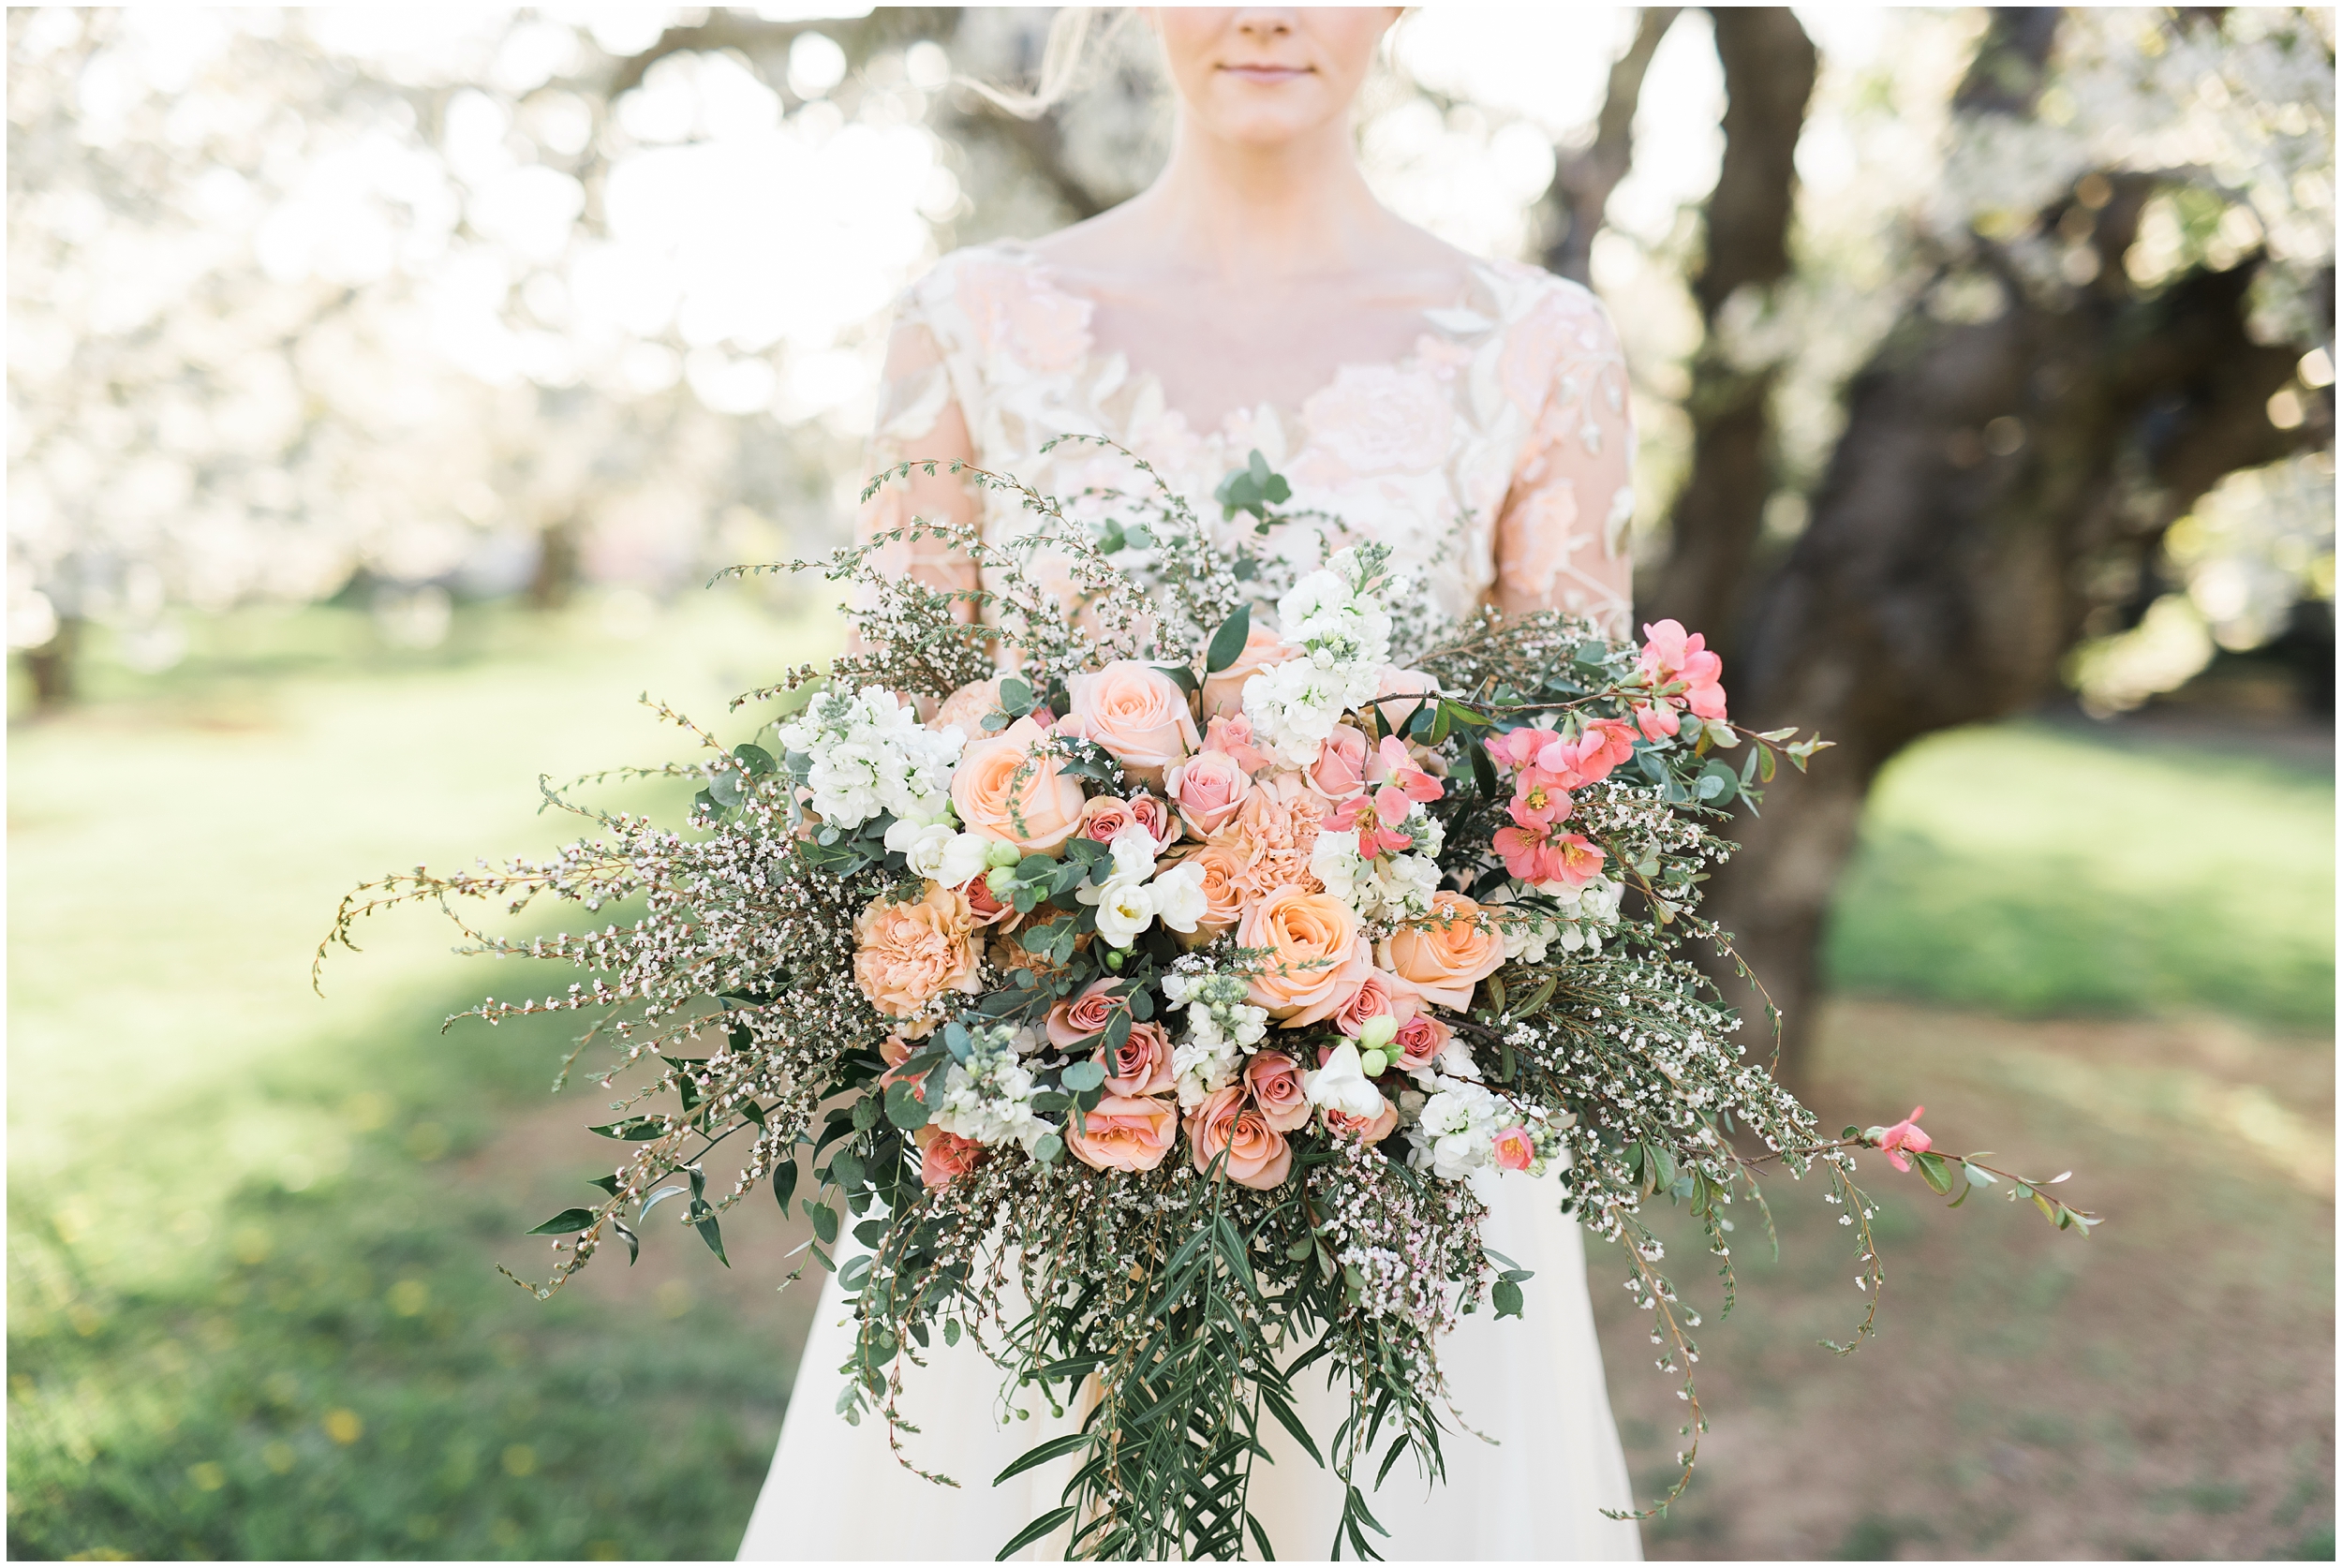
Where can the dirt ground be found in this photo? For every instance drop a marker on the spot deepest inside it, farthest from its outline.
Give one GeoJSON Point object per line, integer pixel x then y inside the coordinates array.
{"type": "Point", "coordinates": [2163, 1388]}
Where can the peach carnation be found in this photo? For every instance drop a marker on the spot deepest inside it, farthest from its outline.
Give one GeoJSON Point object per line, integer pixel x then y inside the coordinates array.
{"type": "Point", "coordinates": [907, 955]}
{"type": "Point", "coordinates": [1273, 834]}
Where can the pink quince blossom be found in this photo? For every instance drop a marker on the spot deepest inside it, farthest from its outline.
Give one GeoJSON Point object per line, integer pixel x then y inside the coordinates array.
{"type": "Point", "coordinates": [1515, 1149]}
{"type": "Point", "coordinates": [1904, 1134]}
{"type": "Point", "coordinates": [1669, 654]}
{"type": "Point", "coordinates": [1540, 799]}
{"type": "Point", "coordinates": [1366, 815]}
{"type": "Point", "coordinates": [1400, 781]}
{"type": "Point", "coordinates": [1541, 856]}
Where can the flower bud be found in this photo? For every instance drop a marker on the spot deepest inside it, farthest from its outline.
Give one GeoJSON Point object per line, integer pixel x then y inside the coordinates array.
{"type": "Point", "coordinates": [1001, 853]}
{"type": "Point", "coordinates": [1372, 1062]}
{"type": "Point", "coordinates": [1000, 879]}
{"type": "Point", "coordinates": [1379, 1033]}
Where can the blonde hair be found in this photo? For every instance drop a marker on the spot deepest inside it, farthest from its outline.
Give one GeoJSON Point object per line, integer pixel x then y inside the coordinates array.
{"type": "Point", "coordinates": [1064, 55]}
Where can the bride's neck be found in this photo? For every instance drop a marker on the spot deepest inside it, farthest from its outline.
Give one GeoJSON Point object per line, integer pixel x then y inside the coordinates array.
{"type": "Point", "coordinates": [1259, 214]}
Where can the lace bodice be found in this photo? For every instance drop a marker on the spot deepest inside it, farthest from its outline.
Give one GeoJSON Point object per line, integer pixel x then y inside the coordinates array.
{"type": "Point", "coordinates": [1495, 459]}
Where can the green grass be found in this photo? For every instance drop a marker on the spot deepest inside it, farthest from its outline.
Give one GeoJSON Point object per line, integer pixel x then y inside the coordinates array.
{"type": "Point", "coordinates": [2032, 869]}
{"type": "Point", "coordinates": [253, 1305]}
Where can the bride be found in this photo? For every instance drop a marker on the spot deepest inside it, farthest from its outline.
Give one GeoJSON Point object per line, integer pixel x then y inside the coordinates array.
{"type": "Point", "coordinates": [1471, 415]}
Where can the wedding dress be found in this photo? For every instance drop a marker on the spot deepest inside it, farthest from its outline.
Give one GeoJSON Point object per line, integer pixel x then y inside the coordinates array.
{"type": "Point", "coordinates": [1496, 454]}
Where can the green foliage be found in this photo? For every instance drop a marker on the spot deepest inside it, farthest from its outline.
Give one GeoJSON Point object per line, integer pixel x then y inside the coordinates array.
{"type": "Point", "coordinates": [2032, 869]}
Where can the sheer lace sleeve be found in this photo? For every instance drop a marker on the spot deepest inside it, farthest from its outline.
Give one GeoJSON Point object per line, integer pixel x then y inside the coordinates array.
{"type": "Point", "coordinates": [919, 417]}
{"type": "Point", "coordinates": [1561, 537]}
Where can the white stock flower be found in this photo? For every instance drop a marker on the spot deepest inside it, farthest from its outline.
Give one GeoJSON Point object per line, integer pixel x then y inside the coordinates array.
{"type": "Point", "coordinates": [1455, 1133]}
{"type": "Point", "coordinates": [1342, 1085]}
{"type": "Point", "coordinates": [865, 754]}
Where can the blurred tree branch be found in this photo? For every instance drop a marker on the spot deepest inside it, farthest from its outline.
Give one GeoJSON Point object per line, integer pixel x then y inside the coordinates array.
{"type": "Point", "coordinates": [1575, 201]}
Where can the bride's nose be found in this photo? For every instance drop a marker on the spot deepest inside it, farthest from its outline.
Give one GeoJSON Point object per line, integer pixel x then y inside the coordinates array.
{"type": "Point", "coordinates": [1263, 23]}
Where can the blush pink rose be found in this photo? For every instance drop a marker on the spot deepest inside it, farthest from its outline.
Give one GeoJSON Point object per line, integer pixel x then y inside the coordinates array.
{"type": "Point", "coordinates": [1125, 1132]}
{"type": "Point", "coordinates": [1341, 766]}
{"type": "Point", "coordinates": [1369, 1130]}
{"type": "Point", "coordinates": [1004, 788]}
{"type": "Point", "coordinates": [1104, 817]}
{"type": "Point", "coordinates": [1233, 734]}
{"type": "Point", "coordinates": [1141, 1064]}
{"type": "Point", "coordinates": [1422, 1040]}
{"type": "Point", "coordinates": [1149, 812]}
{"type": "Point", "coordinates": [1226, 1122]}
{"type": "Point", "coordinates": [1275, 1083]}
{"type": "Point", "coordinates": [1380, 994]}
{"type": "Point", "coordinates": [1075, 1019]}
{"type": "Point", "coordinates": [1209, 789]}
{"type": "Point", "coordinates": [1224, 693]}
{"type": "Point", "coordinates": [1515, 1149]}
{"type": "Point", "coordinates": [944, 1157]}
{"type": "Point", "coordinates": [1139, 713]}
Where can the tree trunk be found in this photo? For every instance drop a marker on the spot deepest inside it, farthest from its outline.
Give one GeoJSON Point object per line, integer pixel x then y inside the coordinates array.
{"type": "Point", "coordinates": [1577, 200]}
{"type": "Point", "coordinates": [52, 666]}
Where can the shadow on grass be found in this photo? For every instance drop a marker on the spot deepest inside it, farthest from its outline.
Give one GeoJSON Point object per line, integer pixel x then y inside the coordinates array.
{"type": "Point", "coordinates": [337, 1372]}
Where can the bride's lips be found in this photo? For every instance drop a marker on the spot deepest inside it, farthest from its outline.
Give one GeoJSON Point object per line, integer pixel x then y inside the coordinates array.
{"type": "Point", "coordinates": [1268, 76]}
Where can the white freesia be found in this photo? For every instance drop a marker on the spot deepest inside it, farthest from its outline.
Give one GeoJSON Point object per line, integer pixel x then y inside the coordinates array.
{"type": "Point", "coordinates": [1133, 852]}
{"type": "Point", "coordinates": [1179, 895]}
{"type": "Point", "coordinates": [1342, 1085]}
{"type": "Point", "coordinates": [938, 850]}
{"type": "Point", "coordinates": [1124, 909]}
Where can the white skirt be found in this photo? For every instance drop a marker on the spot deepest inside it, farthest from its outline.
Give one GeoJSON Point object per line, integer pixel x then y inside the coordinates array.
{"type": "Point", "coordinates": [1533, 1383]}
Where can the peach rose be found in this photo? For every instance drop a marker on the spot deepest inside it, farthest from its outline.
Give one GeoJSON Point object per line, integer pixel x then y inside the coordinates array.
{"type": "Point", "coordinates": [1149, 812]}
{"type": "Point", "coordinates": [1226, 1122]}
{"type": "Point", "coordinates": [907, 955]}
{"type": "Point", "coordinates": [1209, 789]}
{"type": "Point", "coordinates": [966, 708]}
{"type": "Point", "coordinates": [944, 1157]}
{"type": "Point", "coordinates": [1075, 1019]}
{"type": "Point", "coordinates": [1370, 1129]}
{"type": "Point", "coordinates": [1125, 1132]}
{"type": "Point", "coordinates": [1104, 817]}
{"type": "Point", "coordinates": [1037, 813]}
{"type": "Point", "coordinates": [1275, 1083]}
{"type": "Point", "coordinates": [1141, 1064]}
{"type": "Point", "coordinates": [1422, 1041]}
{"type": "Point", "coordinates": [1315, 958]}
{"type": "Point", "coordinates": [1408, 687]}
{"type": "Point", "coordinates": [1224, 693]}
{"type": "Point", "coordinates": [1139, 713]}
{"type": "Point", "coordinates": [1444, 953]}
{"type": "Point", "coordinates": [1379, 994]}
{"type": "Point", "coordinates": [1341, 766]}
{"type": "Point", "coordinates": [1224, 892]}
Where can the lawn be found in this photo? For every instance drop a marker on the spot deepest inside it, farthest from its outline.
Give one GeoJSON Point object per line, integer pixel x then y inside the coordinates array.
{"type": "Point", "coordinates": [254, 1308]}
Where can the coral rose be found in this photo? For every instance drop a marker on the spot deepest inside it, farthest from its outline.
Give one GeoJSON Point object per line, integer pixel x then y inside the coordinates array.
{"type": "Point", "coordinates": [1226, 1122]}
{"type": "Point", "coordinates": [908, 955]}
{"type": "Point", "coordinates": [984, 908]}
{"type": "Point", "coordinates": [1367, 1130]}
{"type": "Point", "coordinates": [1209, 789]}
{"type": "Point", "coordinates": [1125, 1132]}
{"type": "Point", "coordinates": [1314, 957]}
{"type": "Point", "coordinates": [1139, 713]}
{"type": "Point", "coordinates": [1075, 1019]}
{"type": "Point", "coordinates": [1223, 693]}
{"type": "Point", "coordinates": [1445, 953]}
{"type": "Point", "coordinates": [1141, 1064]}
{"type": "Point", "coordinates": [1037, 813]}
{"type": "Point", "coordinates": [1275, 1083]}
{"type": "Point", "coordinates": [945, 1157]}
{"type": "Point", "coordinates": [966, 709]}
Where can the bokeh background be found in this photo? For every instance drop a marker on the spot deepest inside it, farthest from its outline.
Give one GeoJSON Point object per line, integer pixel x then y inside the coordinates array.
{"type": "Point", "coordinates": [386, 382]}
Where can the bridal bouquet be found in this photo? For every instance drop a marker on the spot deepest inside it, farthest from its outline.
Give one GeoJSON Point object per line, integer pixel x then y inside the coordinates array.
{"type": "Point", "coordinates": [1159, 990]}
